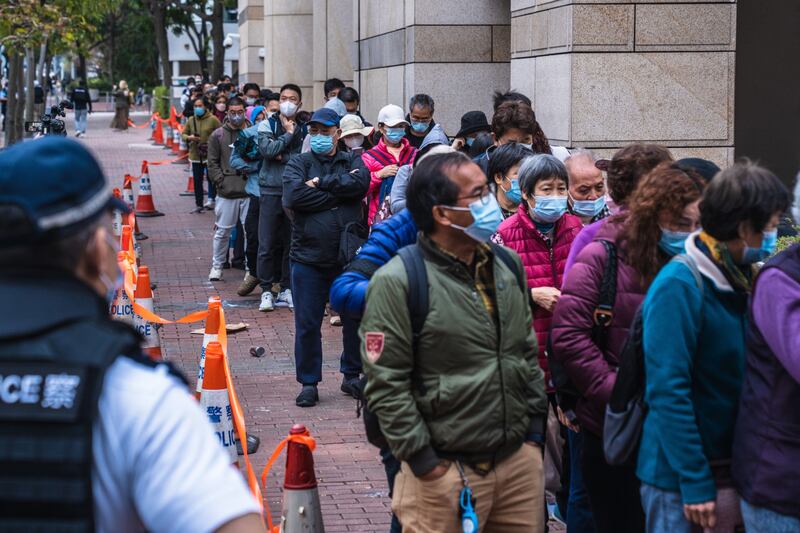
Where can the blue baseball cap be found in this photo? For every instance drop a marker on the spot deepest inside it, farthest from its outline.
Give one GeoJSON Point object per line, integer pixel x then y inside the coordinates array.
{"type": "Point", "coordinates": [59, 186]}
{"type": "Point", "coordinates": [325, 116]}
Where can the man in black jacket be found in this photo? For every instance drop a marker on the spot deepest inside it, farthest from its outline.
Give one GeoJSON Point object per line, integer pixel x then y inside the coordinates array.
{"type": "Point", "coordinates": [323, 190]}
{"type": "Point", "coordinates": [82, 103]}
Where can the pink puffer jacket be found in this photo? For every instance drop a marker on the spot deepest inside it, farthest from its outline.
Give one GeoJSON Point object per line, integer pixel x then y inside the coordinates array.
{"type": "Point", "coordinates": [544, 265]}
{"type": "Point", "coordinates": [375, 159]}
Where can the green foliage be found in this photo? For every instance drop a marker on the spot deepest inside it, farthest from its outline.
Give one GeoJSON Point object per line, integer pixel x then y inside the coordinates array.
{"type": "Point", "coordinates": [101, 84]}
{"type": "Point", "coordinates": [161, 101]}
{"type": "Point", "coordinates": [786, 242]}
{"type": "Point", "coordinates": [136, 58]}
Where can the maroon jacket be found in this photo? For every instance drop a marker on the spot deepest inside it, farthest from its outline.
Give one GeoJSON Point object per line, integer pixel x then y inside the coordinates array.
{"type": "Point", "coordinates": [592, 370]}
{"type": "Point", "coordinates": [544, 265]}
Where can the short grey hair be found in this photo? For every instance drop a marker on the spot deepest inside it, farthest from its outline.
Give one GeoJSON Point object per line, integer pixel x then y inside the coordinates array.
{"type": "Point", "coordinates": [581, 153]}
{"type": "Point", "coordinates": [540, 167]}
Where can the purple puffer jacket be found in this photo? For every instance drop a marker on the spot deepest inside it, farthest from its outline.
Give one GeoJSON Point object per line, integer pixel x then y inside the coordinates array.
{"type": "Point", "coordinates": [592, 370]}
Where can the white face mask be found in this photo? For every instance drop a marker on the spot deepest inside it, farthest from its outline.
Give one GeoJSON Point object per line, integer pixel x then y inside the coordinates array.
{"type": "Point", "coordinates": [354, 141]}
{"type": "Point", "coordinates": [288, 109]}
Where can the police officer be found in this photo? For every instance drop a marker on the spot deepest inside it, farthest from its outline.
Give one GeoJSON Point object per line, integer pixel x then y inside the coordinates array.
{"type": "Point", "coordinates": [93, 435]}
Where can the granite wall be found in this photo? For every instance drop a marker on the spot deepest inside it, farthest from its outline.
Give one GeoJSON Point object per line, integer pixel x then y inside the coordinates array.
{"type": "Point", "coordinates": [251, 40]}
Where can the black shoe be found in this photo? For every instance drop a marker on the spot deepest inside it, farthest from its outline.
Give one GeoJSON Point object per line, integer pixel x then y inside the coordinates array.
{"type": "Point", "coordinates": [226, 265]}
{"type": "Point", "coordinates": [238, 265]}
{"type": "Point", "coordinates": [308, 397]}
{"type": "Point", "coordinates": [351, 385]}
{"type": "Point", "coordinates": [196, 210]}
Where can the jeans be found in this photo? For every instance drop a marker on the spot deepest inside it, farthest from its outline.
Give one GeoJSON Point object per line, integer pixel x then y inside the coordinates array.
{"type": "Point", "coordinates": [238, 239]}
{"type": "Point", "coordinates": [664, 510]}
{"type": "Point", "coordinates": [274, 236]}
{"type": "Point", "coordinates": [613, 490]}
{"type": "Point", "coordinates": [251, 235]}
{"type": "Point", "coordinates": [310, 288]}
{"type": "Point", "coordinates": [579, 511]}
{"type": "Point", "coordinates": [198, 175]}
{"type": "Point", "coordinates": [227, 211]}
{"type": "Point", "coordinates": [80, 120]}
{"type": "Point", "coordinates": [762, 520]}
{"type": "Point", "coordinates": [392, 467]}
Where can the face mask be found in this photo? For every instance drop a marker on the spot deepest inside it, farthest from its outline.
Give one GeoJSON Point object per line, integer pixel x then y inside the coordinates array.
{"type": "Point", "coordinates": [221, 107]}
{"type": "Point", "coordinates": [395, 135]}
{"type": "Point", "coordinates": [236, 120]}
{"type": "Point", "coordinates": [199, 111]}
{"type": "Point", "coordinates": [769, 239]}
{"type": "Point", "coordinates": [354, 141]}
{"type": "Point", "coordinates": [588, 208]}
{"type": "Point", "coordinates": [250, 100]}
{"type": "Point", "coordinates": [673, 242]}
{"type": "Point", "coordinates": [469, 140]}
{"type": "Point", "coordinates": [288, 109]}
{"type": "Point", "coordinates": [420, 127]}
{"type": "Point", "coordinates": [270, 114]}
{"type": "Point", "coordinates": [321, 144]}
{"type": "Point", "coordinates": [549, 208]}
{"type": "Point", "coordinates": [231, 94]}
{"type": "Point", "coordinates": [486, 216]}
{"type": "Point", "coordinates": [514, 194]}
{"type": "Point", "coordinates": [529, 146]}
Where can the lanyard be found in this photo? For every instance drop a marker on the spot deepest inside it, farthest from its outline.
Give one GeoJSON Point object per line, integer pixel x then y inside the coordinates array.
{"type": "Point", "coordinates": [469, 519]}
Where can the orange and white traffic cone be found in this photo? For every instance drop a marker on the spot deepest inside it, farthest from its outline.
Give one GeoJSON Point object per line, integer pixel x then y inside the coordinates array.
{"type": "Point", "coordinates": [127, 197]}
{"type": "Point", "coordinates": [126, 245]}
{"type": "Point", "coordinates": [176, 140]}
{"type": "Point", "coordinates": [211, 334]}
{"type": "Point", "coordinates": [158, 132]}
{"type": "Point", "coordinates": [144, 202]}
{"type": "Point", "coordinates": [301, 509]}
{"type": "Point", "coordinates": [144, 297]}
{"type": "Point", "coordinates": [121, 308]}
{"type": "Point", "coordinates": [216, 402]}
{"type": "Point", "coordinates": [168, 137]}
{"type": "Point", "coordinates": [116, 219]}
{"type": "Point", "coordinates": [182, 149]}
{"type": "Point", "coordinates": [189, 187]}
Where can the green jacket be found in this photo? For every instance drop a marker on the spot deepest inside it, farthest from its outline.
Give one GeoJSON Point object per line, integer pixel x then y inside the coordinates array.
{"type": "Point", "coordinates": [484, 392]}
{"type": "Point", "coordinates": [202, 127]}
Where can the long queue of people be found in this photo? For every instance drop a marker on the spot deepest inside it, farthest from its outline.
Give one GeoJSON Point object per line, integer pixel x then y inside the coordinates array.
{"type": "Point", "coordinates": [487, 374]}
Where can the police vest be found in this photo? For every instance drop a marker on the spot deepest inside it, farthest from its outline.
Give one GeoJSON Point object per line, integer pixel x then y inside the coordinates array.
{"type": "Point", "coordinates": [50, 384]}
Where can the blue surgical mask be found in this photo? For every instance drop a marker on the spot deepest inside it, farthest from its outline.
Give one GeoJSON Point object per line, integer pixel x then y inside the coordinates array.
{"type": "Point", "coordinates": [321, 144]}
{"type": "Point", "coordinates": [673, 242]}
{"type": "Point", "coordinates": [199, 111]}
{"type": "Point", "coordinates": [588, 208]}
{"type": "Point", "coordinates": [549, 208]}
{"type": "Point", "coordinates": [469, 141]}
{"type": "Point", "coordinates": [769, 240]}
{"type": "Point", "coordinates": [395, 135]}
{"type": "Point", "coordinates": [486, 216]}
{"type": "Point", "coordinates": [529, 146]}
{"type": "Point", "coordinates": [514, 194]}
{"type": "Point", "coordinates": [420, 127]}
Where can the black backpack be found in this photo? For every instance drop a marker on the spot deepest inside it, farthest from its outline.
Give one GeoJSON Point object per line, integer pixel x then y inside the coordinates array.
{"type": "Point", "coordinates": [626, 409]}
{"type": "Point", "coordinates": [418, 307]}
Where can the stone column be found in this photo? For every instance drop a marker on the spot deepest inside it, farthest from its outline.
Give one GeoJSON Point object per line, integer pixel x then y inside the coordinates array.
{"type": "Point", "coordinates": [605, 75]}
{"type": "Point", "coordinates": [333, 44]}
{"type": "Point", "coordinates": [288, 43]}
{"type": "Point", "coordinates": [251, 40]}
{"type": "Point", "coordinates": [455, 51]}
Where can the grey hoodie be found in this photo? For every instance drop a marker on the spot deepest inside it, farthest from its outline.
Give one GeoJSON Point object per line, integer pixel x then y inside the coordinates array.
{"type": "Point", "coordinates": [398, 193]}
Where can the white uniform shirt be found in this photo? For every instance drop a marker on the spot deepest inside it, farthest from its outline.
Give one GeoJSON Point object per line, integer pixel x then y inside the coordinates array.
{"type": "Point", "coordinates": [157, 464]}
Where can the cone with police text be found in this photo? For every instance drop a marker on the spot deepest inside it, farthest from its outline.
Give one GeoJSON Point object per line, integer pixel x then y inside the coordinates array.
{"type": "Point", "coordinates": [121, 307]}
{"type": "Point", "coordinates": [127, 197]}
{"type": "Point", "coordinates": [144, 202]}
{"type": "Point", "coordinates": [211, 334]}
{"type": "Point", "coordinates": [216, 402]}
{"type": "Point", "coordinates": [116, 217]}
{"type": "Point", "coordinates": [143, 296]}
{"type": "Point", "coordinates": [301, 509]}
{"type": "Point", "coordinates": [158, 132]}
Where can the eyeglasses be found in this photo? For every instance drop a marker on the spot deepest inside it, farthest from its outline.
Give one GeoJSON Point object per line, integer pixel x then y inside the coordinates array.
{"type": "Point", "coordinates": [236, 113]}
{"type": "Point", "coordinates": [484, 197]}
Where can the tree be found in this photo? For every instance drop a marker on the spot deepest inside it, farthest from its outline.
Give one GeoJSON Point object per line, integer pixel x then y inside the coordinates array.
{"type": "Point", "coordinates": [158, 12]}
{"type": "Point", "coordinates": [209, 12]}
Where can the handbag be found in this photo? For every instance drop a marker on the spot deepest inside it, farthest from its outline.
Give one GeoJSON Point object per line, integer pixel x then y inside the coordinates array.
{"type": "Point", "coordinates": [202, 147]}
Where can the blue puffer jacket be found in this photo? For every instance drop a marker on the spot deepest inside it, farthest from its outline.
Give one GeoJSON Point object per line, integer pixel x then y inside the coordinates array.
{"type": "Point", "coordinates": [251, 165]}
{"type": "Point", "coordinates": [349, 290]}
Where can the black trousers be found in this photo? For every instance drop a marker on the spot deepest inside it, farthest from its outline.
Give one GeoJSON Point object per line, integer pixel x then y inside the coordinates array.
{"type": "Point", "coordinates": [613, 490]}
{"type": "Point", "coordinates": [251, 235]}
{"type": "Point", "coordinates": [198, 174]}
{"type": "Point", "coordinates": [274, 237]}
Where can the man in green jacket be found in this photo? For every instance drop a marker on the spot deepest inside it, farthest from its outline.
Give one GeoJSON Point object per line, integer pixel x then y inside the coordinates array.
{"type": "Point", "coordinates": [468, 408]}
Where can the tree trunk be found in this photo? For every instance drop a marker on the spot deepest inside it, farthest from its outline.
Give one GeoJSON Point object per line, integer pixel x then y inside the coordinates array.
{"type": "Point", "coordinates": [217, 37]}
{"type": "Point", "coordinates": [30, 75]}
{"type": "Point", "coordinates": [111, 48]}
{"type": "Point", "coordinates": [42, 61]}
{"type": "Point", "coordinates": [159, 13]}
{"type": "Point", "coordinates": [14, 102]}
{"type": "Point", "coordinates": [82, 67]}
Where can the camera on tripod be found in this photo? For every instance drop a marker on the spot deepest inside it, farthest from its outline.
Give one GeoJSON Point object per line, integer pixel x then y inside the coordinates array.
{"type": "Point", "coordinates": [50, 124]}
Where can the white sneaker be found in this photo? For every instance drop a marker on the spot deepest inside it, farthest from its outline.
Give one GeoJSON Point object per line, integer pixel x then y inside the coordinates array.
{"type": "Point", "coordinates": [210, 204]}
{"type": "Point", "coordinates": [266, 302]}
{"type": "Point", "coordinates": [215, 274]}
{"type": "Point", "coordinates": [285, 299]}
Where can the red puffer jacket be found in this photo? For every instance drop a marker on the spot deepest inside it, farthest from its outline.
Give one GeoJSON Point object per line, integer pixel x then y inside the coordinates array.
{"type": "Point", "coordinates": [544, 264]}
{"type": "Point", "coordinates": [592, 370]}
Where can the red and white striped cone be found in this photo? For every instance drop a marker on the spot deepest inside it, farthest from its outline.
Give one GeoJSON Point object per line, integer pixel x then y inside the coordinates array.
{"type": "Point", "coordinates": [211, 334]}
{"type": "Point", "coordinates": [144, 297]}
{"type": "Point", "coordinates": [216, 402]}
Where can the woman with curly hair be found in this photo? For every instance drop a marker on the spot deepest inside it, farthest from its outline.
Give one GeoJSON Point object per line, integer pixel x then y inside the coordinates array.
{"type": "Point", "coordinates": [662, 211]}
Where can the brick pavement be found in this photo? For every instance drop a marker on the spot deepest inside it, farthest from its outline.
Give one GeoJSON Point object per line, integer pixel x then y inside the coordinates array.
{"type": "Point", "coordinates": [352, 483]}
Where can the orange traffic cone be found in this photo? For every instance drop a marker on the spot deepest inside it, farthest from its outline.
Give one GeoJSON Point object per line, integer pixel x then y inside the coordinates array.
{"type": "Point", "coordinates": [211, 334]}
{"type": "Point", "coordinates": [176, 141]}
{"type": "Point", "coordinates": [126, 245]}
{"type": "Point", "coordinates": [121, 308]}
{"type": "Point", "coordinates": [116, 220]}
{"type": "Point", "coordinates": [158, 133]}
{"type": "Point", "coordinates": [182, 151]}
{"type": "Point", "coordinates": [144, 202]}
{"type": "Point", "coordinates": [127, 197]}
{"type": "Point", "coordinates": [216, 402]}
{"type": "Point", "coordinates": [144, 297]}
{"type": "Point", "coordinates": [301, 509]}
{"type": "Point", "coordinates": [189, 187]}
{"type": "Point", "coordinates": [168, 136]}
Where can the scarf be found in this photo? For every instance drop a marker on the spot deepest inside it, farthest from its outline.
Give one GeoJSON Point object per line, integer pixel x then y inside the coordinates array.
{"type": "Point", "coordinates": [741, 280]}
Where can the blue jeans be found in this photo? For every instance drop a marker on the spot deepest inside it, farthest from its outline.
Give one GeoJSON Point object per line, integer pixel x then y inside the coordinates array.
{"type": "Point", "coordinates": [664, 510]}
{"type": "Point", "coordinates": [762, 520]}
{"type": "Point", "coordinates": [310, 288]}
{"type": "Point", "coordinates": [579, 511]}
{"type": "Point", "coordinates": [392, 467]}
{"type": "Point", "coordinates": [80, 120]}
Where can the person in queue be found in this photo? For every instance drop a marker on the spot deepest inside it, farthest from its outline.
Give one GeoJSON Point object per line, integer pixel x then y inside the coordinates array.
{"type": "Point", "coordinates": [76, 383]}
{"type": "Point", "coordinates": [385, 159]}
{"type": "Point", "coordinates": [694, 335]}
{"type": "Point", "coordinates": [196, 132]}
{"type": "Point", "coordinates": [512, 122]}
{"type": "Point", "coordinates": [587, 187]}
{"type": "Point", "coordinates": [252, 93]}
{"type": "Point", "coordinates": [331, 88]}
{"type": "Point", "coordinates": [485, 431]}
{"type": "Point", "coordinates": [352, 102]}
{"type": "Point", "coordinates": [420, 119]}
{"type": "Point", "coordinates": [662, 212]}
{"type": "Point", "coordinates": [355, 134]}
{"type": "Point", "coordinates": [435, 140]}
{"type": "Point", "coordinates": [220, 110]}
{"type": "Point", "coordinates": [504, 174]}
{"type": "Point", "coordinates": [324, 189]}
{"type": "Point", "coordinates": [473, 123]}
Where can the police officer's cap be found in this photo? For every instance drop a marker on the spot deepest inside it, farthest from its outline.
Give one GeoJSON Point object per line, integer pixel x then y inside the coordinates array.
{"type": "Point", "coordinates": [58, 184]}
